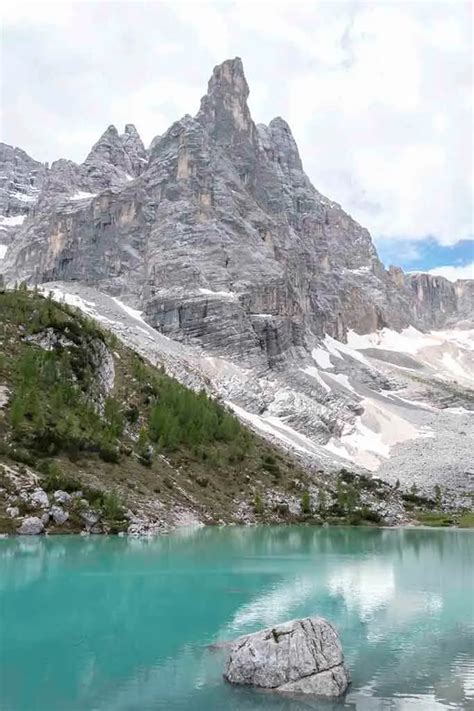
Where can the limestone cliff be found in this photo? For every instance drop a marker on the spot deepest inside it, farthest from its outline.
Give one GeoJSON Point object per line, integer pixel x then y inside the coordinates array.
{"type": "Point", "coordinates": [219, 236]}
{"type": "Point", "coordinates": [254, 286]}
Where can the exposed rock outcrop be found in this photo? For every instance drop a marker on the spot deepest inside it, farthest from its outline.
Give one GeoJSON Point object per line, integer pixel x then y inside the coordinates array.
{"type": "Point", "coordinates": [98, 354]}
{"type": "Point", "coordinates": [134, 149]}
{"type": "Point", "coordinates": [109, 162]}
{"type": "Point", "coordinates": [62, 497]}
{"type": "Point", "coordinates": [90, 518]}
{"type": "Point", "coordinates": [59, 515]}
{"type": "Point", "coordinates": [31, 526]}
{"type": "Point", "coordinates": [219, 236]}
{"type": "Point", "coordinates": [39, 499]}
{"type": "Point", "coordinates": [21, 181]}
{"type": "Point", "coordinates": [438, 302]}
{"type": "Point", "coordinates": [301, 656]}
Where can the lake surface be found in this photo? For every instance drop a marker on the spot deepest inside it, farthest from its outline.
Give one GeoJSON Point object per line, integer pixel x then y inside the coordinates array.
{"type": "Point", "coordinates": [112, 624]}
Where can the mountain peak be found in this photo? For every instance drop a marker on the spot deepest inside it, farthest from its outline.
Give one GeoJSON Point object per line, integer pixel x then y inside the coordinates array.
{"type": "Point", "coordinates": [134, 148]}
{"type": "Point", "coordinates": [109, 161]}
{"type": "Point", "coordinates": [229, 77]}
{"type": "Point", "coordinates": [108, 142]}
{"type": "Point", "coordinates": [131, 130]}
{"type": "Point", "coordinates": [110, 132]}
{"type": "Point", "coordinates": [224, 108]}
{"type": "Point", "coordinates": [284, 142]}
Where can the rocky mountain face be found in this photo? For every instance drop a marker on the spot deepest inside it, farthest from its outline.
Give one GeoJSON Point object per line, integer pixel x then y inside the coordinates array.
{"type": "Point", "coordinates": [94, 439]}
{"type": "Point", "coordinates": [33, 190]}
{"type": "Point", "coordinates": [217, 236]}
{"type": "Point", "coordinates": [21, 180]}
{"type": "Point", "coordinates": [438, 302]}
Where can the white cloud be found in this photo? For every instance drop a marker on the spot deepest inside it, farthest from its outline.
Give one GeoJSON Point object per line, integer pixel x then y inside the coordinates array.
{"type": "Point", "coordinates": [209, 24]}
{"type": "Point", "coordinates": [391, 129]}
{"type": "Point", "coordinates": [35, 13]}
{"type": "Point", "coordinates": [453, 272]}
{"type": "Point", "coordinates": [378, 94]}
{"type": "Point", "coordinates": [154, 102]}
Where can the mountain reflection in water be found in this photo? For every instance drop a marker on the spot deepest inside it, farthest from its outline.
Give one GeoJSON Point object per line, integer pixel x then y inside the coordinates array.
{"type": "Point", "coordinates": [117, 623]}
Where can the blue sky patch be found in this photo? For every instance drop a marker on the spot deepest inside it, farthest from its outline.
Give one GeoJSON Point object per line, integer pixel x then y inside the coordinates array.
{"type": "Point", "coordinates": [422, 255]}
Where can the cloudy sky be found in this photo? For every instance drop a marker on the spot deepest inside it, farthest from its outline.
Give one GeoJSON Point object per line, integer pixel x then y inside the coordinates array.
{"type": "Point", "coordinates": [378, 95]}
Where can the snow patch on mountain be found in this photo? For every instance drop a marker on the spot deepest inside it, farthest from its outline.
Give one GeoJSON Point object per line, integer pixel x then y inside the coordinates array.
{"type": "Point", "coordinates": [221, 294]}
{"type": "Point", "coordinates": [378, 416]}
{"type": "Point", "coordinates": [409, 340]}
{"type": "Point", "coordinates": [314, 372]}
{"type": "Point", "coordinates": [373, 435]}
{"type": "Point", "coordinates": [448, 354]}
{"type": "Point", "coordinates": [134, 313]}
{"type": "Point", "coordinates": [24, 198]}
{"type": "Point", "coordinates": [278, 430]}
{"type": "Point", "coordinates": [81, 195]}
{"type": "Point", "coordinates": [338, 349]}
{"type": "Point", "coordinates": [12, 221]}
{"type": "Point", "coordinates": [322, 358]}
{"type": "Point", "coordinates": [341, 379]}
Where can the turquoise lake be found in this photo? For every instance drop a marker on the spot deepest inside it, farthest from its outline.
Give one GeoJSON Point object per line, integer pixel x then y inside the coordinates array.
{"type": "Point", "coordinates": [117, 624]}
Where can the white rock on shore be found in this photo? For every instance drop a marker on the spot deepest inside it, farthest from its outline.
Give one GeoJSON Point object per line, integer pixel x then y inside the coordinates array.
{"type": "Point", "coordinates": [59, 515]}
{"type": "Point", "coordinates": [302, 656]}
{"type": "Point", "coordinates": [62, 497]}
{"type": "Point", "coordinates": [31, 526]}
{"type": "Point", "coordinates": [90, 518]}
{"type": "Point", "coordinates": [39, 498]}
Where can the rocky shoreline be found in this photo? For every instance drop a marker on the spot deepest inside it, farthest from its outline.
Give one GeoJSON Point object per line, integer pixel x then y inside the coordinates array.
{"type": "Point", "coordinates": [56, 510]}
{"type": "Point", "coordinates": [32, 510]}
{"type": "Point", "coordinates": [141, 528]}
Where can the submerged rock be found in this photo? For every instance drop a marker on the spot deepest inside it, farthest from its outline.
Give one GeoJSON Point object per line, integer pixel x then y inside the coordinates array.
{"type": "Point", "coordinates": [302, 656]}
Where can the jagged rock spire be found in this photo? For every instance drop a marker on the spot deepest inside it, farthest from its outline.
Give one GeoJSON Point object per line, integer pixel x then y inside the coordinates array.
{"type": "Point", "coordinates": [284, 143]}
{"type": "Point", "coordinates": [125, 153]}
{"type": "Point", "coordinates": [131, 131]}
{"type": "Point", "coordinates": [229, 77]}
{"type": "Point", "coordinates": [108, 140]}
{"type": "Point", "coordinates": [109, 150]}
{"type": "Point", "coordinates": [134, 148]}
{"type": "Point", "coordinates": [224, 110]}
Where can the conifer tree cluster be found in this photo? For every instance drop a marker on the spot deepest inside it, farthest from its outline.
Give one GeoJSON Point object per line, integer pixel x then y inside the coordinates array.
{"type": "Point", "coordinates": [54, 408]}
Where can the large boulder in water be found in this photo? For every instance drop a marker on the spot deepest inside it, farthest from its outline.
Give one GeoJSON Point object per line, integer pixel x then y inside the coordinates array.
{"type": "Point", "coordinates": [301, 656]}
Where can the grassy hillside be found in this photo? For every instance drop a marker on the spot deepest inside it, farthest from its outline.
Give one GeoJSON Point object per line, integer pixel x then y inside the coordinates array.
{"type": "Point", "coordinates": [149, 442]}
{"type": "Point", "coordinates": [79, 412]}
